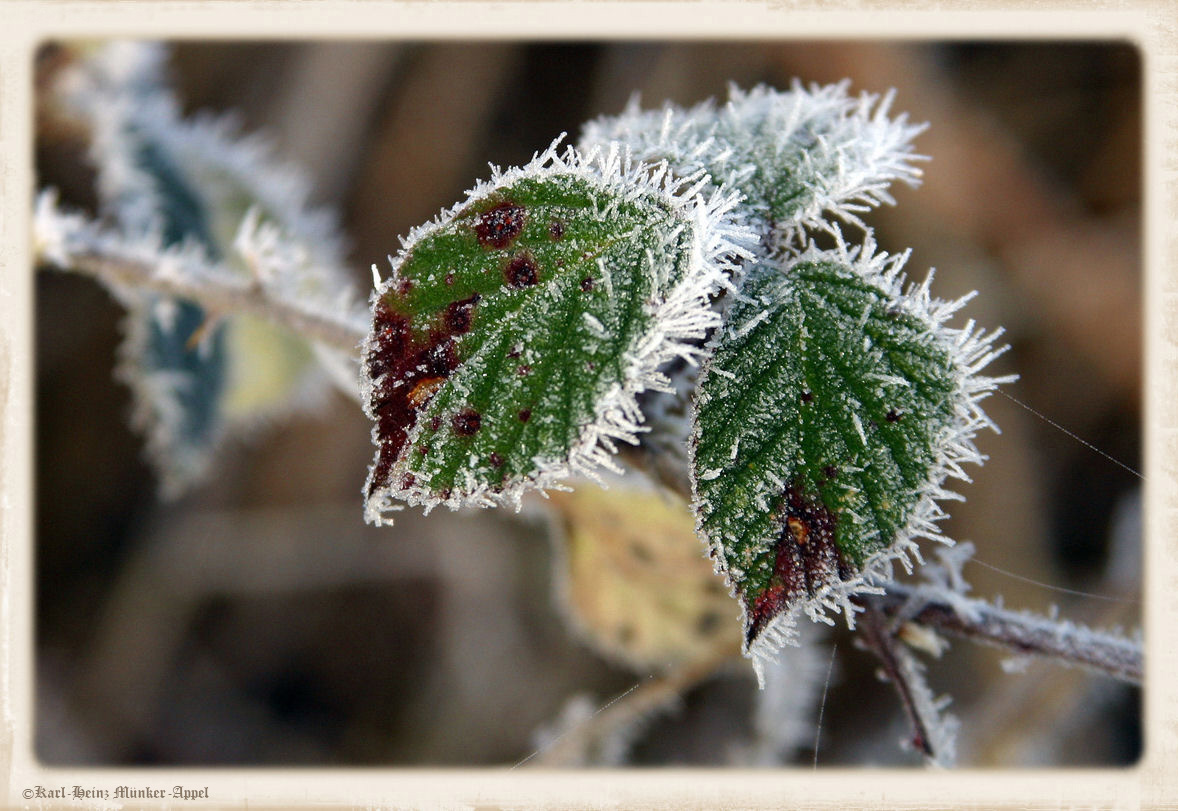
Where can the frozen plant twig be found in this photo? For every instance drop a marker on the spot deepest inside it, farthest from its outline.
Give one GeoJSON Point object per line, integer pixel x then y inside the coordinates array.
{"type": "Point", "coordinates": [1022, 632]}
{"type": "Point", "coordinates": [932, 735]}
{"type": "Point", "coordinates": [70, 242]}
{"type": "Point", "coordinates": [940, 604]}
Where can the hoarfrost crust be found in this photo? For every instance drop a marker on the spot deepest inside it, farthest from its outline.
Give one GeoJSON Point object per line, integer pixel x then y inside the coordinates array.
{"type": "Point", "coordinates": [800, 157]}
{"type": "Point", "coordinates": [679, 314]}
{"type": "Point", "coordinates": [970, 350]}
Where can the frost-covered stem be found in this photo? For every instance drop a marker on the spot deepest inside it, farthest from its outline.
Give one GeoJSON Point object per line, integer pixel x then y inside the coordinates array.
{"type": "Point", "coordinates": [877, 638]}
{"type": "Point", "coordinates": [1019, 632]}
{"type": "Point", "coordinates": [221, 296]}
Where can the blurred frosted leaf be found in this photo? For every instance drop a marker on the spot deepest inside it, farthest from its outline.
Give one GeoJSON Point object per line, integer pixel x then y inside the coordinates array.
{"type": "Point", "coordinates": [632, 580]}
{"type": "Point", "coordinates": [178, 383]}
{"type": "Point", "coordinates": [197, 188]}
{"type": "Point", "coordinates": [509, 345]}
{"type": "Point", "coordinates": [798, 156]}
{"type": "Point", "coordinates": [835, 406]}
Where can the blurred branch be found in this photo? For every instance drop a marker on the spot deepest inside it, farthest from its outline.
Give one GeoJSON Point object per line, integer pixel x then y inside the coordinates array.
{"type": "Point", "coordinates": [221, 295]}
{"type": "Point", "coordinates": [619, 715]}
{"type": "Point", "coordinates": [878, 638]}
{"type": "Point", "coordinates": [70, 242]}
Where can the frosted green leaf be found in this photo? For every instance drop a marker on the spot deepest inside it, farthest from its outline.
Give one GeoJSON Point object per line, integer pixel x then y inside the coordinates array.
{"type": "Point", "coordinates": [833, 409]}
{"type": "Point", "coordinates": [801, 158]}
{"type": "Point", "coordinates": [798, 156]}
{"type": "Point", "coordinates": [510, 343]}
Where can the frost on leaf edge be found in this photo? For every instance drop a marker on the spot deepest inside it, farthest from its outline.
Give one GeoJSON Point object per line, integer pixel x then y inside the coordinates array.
{"type": "Point", "coordinates": [685, 314]}
{"type": "Point", "coordinates": [970, 350]}
{"type": "Point", "coordinates": [868, 149]}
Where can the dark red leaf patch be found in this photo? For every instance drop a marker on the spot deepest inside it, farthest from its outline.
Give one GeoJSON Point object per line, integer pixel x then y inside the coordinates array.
{"type": "Point", "coordinates": [806, 559]}
{"type": "Point", "coordinates": [406, 371]}
{"type": "Point", "coordinates": [460, 314]}
{"type": "Point", "coordinates": [467, 422]}
{"type": "Point", "coordinates": [521, 272]}
{"type": "Point", "coordinates": [500, 226]}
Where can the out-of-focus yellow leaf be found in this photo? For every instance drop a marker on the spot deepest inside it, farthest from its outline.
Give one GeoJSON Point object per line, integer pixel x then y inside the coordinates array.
{"type": "Point", "coordinates": [267, 365]}
{"type": "Point", "coordinates": [635, 580]}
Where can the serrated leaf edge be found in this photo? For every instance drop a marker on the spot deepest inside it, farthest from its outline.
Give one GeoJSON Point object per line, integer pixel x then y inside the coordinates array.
{"type": "Point", "coordinates": [970, 350]}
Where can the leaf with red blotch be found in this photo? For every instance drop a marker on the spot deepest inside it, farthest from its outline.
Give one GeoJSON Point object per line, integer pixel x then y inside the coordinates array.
{"type": "Point", "coordinates": [510, 342]}
{"type": "Point", "coordinates": [834, 407]}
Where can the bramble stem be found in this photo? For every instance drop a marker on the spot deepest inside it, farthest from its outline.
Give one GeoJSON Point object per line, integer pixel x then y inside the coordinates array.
{"type": "Point", "coordinates": [220, 296]}
{"type": "Point", "coordinates": [878, 639]}
{"type": "Point", "coordinates": [1020, 632]}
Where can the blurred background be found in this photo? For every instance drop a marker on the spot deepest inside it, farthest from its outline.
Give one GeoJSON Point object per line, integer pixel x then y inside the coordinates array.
{"type": "Point", "coordinates": [258, 621]}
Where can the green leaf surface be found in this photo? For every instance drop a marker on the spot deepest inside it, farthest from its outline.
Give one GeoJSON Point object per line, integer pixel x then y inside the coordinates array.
{"type": "Point", "coordinates": [832, 410]}
{"type": "Point", "coordinates": [509, 345]}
